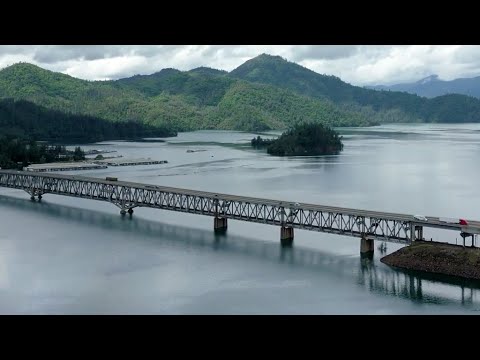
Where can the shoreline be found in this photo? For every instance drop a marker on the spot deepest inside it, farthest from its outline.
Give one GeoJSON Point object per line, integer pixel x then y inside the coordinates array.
{"type": "Point", "coordinates": [437, 258]}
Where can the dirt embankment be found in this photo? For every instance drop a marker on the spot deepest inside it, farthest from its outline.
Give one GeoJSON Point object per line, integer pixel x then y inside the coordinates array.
{"type": "Point", "coordinates": [437, 258]}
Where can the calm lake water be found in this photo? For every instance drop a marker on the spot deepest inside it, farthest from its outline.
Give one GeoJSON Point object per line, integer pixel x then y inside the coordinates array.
{"type": "Point", "coordinates": [72, 256]}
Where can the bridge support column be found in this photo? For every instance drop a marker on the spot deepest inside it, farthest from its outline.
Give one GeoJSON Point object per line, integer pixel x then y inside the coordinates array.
{"type": "Point", "coordinates": [123, 212]}
{"type": "Point", "coordinates": [286, 236]}
{"type": "Point", "coordinates": [419, 231]}
{"type": "Point", "coordinates": [130, 211]}
{"type": "Point", "coordinates": [366, 247]}
{"type": "Point", "coordinates": [220, 224]}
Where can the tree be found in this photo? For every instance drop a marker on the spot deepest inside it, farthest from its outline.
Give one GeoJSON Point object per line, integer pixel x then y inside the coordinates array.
{"type": "Point", "coordinates": [78, 154]}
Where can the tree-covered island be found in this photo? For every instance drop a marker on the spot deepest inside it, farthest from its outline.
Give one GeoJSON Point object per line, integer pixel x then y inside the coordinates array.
{"type": "Point", "coordinates": [306, 139]}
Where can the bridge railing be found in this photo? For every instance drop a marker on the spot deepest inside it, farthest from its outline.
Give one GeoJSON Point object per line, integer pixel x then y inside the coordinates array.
{"type": "Point", "coordinates": [130, 195]}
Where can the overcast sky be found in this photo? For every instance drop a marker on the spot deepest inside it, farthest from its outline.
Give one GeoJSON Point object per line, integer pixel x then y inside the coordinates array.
{"type": "Point", "coordinates": [356, 64]}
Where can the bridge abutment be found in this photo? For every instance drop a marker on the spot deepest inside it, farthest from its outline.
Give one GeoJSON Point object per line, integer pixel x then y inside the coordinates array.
{"type": "Point", "coordinates": [220, 224]}
{"type": "Point", "coordinates": [286, 236]}
{"type": "Point", "coordinates": [366, 247]}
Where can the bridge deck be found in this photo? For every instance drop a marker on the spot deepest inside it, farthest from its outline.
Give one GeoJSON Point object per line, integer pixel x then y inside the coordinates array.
{"type": "Point", "coordinates": [384, 226]}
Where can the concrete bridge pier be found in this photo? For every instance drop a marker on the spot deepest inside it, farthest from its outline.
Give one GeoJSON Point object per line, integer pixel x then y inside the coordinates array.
{"type": "Point", "coordinates": [464, 234]}
{"type": "Point", "coordinates": [220, 224]}
{"type": "Point", "coordinates": [125, 210]}
{"type": "Point", "coordinates": [419, 232]}
{"type": "Point", "coordinates": [366, 247]}
{"type": "Point", "coordinates": [416, 233]}
{"type": "Point", "coordinates": [286, 236]}
{"type": "Point", "coordinates": [34, 192]}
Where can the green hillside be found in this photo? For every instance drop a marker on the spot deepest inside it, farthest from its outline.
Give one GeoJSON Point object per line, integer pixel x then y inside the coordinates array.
{"type": "Point", "coordinates": [26, 120]}
{"type": "Point", "coordinates": [199, 99]}
{"type": "Point", "coordinates": [266, 92]}
{"type": "Point", "coordinates": [399, 106]}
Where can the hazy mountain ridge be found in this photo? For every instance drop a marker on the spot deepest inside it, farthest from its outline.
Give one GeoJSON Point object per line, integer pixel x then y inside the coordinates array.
{"type": "Point", "coordinates": [432, 86]}
{"type": "Point", "coordinates": [277, 71]}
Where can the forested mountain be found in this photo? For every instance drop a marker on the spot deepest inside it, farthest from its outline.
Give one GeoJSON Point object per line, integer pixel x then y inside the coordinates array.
{"type": "Point", "coordinates": [266, 92]}
{"type": "Point", "coordinates": [180, 101]}
{"type": "Point", "coordinates": [279, 72]}
{"type": "Point", "coordinates": [25, 120]}
{"type": "Point", "coordinates": [208, 71]}
{"type": "Point", "coordinates": [432, 86]}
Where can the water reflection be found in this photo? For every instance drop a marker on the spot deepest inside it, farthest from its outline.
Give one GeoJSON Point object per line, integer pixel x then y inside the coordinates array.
{"type": "Point", "coordinates": [411, 284]}
{"type": "Point", "coordinates": [365, 272]}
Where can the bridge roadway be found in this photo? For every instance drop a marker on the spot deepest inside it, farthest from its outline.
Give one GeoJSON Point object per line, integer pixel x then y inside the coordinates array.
{"type": "Point", "coordinates": [366, 224]}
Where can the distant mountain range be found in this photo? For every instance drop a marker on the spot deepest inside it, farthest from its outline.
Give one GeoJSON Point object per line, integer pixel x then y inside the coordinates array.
{"type": "Point", "coordinates": [432, 86]}
{"type": "Point", "coordinates": [266, 92]}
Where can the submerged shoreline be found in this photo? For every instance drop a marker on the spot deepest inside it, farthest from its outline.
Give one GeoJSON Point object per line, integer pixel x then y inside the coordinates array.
{"type": "Point", "coordinates": [438, 258]}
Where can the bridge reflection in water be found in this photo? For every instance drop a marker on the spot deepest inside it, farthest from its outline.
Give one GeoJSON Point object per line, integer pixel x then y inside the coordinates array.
{"type": "Point", "coordinates": [365, 271]}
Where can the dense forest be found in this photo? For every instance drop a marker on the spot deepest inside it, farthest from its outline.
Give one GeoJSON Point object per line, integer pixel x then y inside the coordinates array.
{"type": "Point", "coordinates": [266, 92]}
{"type": "Point", "coordinates": [23, 124]}
{"type": "Point", "coordinates": [15, 153]}
{"type": "Point", "coordinates": [181, 101]}
{"type": "Point", "coordinates": [260, 143]}
{"type": "Point", "coordinates": [26, 120]}
{"type": "Point", "coordinates": [304, 139]}
{"type": "Point", "coordinates": [385, 106]}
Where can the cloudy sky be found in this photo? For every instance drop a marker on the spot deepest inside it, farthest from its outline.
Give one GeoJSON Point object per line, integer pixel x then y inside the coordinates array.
{"type": "Point", "coordinates": [356, 64]}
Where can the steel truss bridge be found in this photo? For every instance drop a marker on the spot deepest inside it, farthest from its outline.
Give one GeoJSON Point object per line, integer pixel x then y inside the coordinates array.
{"type": "Point", "coordinates": [365, 224]}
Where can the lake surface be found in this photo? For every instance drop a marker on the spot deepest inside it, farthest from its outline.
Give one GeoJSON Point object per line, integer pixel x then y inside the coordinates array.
{"type": "Point", "coordinates": [75, 256]}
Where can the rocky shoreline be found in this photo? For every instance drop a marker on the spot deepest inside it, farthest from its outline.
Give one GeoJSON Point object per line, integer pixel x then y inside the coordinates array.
{"type": "Point", "coordinates": [439, 258]}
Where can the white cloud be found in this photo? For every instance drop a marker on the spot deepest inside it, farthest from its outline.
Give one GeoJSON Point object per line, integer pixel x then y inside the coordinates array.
{"type": "Point", "coordinates": [107, 69]}
{"type": "Point", "coordinates": [356, 64]}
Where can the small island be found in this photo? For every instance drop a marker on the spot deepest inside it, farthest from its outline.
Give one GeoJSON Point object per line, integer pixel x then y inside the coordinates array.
{"type": "Point", "coordinates": [306, 139]}
{"type": "Point", "coordinates": [439, 258]}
